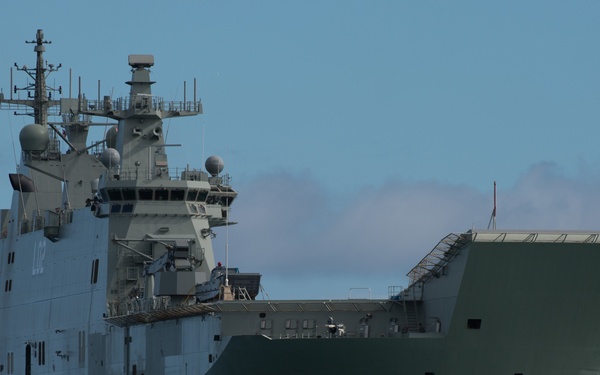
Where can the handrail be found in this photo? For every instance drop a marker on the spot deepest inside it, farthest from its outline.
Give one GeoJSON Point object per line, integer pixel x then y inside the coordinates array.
{"type": "Point", "coordinates": [141, 102]}
{"type": "Point", "coordinates": [438, 257]}
{"type": "Point", "coordinates": [351, 289]}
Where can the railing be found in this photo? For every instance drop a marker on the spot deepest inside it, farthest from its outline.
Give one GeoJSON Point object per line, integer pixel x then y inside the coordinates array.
{"type": "Point", "coordinates": [141, 102]}
{"type": "Point", "coordinates": [37, 222]}
{"type": "Point", "coordinates": [139, 305]}
{"type": "Point", "coordinates": [394, 292]}
{"type": "Point", "coordinates": [432, 263]}
{"type": "Point", "coordinates": [52, 152]}
{"type": "Point", "coordinates": [364, 289]}
{"type": "Point", "coordinates": [177, 173]}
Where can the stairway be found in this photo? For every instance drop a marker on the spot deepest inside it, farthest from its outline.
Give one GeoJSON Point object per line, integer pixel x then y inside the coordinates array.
{"type": "Point", "coordinates": [412, 316]}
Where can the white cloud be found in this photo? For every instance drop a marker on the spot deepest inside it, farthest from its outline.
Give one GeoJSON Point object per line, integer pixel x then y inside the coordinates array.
{"type": "Point", "coordinates": [300, 236]}
{"type": "Point", "coordinates": [544, 198]}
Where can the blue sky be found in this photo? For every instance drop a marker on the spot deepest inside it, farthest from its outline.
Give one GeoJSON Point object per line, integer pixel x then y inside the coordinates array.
{"type": "Point", "coordinates": [358, 133]}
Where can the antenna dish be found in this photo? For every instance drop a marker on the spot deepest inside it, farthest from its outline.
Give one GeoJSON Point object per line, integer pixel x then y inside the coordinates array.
{"type": "Point", "coordinates": [214, 165]}
{"type": "Point", "coordinates": [34, 137]}
{"type": "Point", "coordinates": [110, 158]}
{"type": "Point", "coordinates": [111, 137]}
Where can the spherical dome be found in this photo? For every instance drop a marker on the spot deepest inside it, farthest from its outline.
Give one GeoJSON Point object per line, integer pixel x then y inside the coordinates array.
{"type": "Point", "coordinates": [111, 137]}
{"type": "Point", "coordinates": [34, 137]}
{"type": "Point", "coordinates": [110, 158]}
{"type": "Point", "coordinates": [214, 165]}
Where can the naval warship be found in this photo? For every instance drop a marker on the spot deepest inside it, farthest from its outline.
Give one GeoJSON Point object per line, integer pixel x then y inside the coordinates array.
{"type": "Point", "coordinates": [107, 267]}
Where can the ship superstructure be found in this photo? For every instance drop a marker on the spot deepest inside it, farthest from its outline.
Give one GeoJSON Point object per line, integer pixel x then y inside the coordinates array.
{"type": "Point", "coordinates": [107, 267]}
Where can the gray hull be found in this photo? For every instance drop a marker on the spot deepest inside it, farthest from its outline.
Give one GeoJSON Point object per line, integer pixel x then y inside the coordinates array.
{"type": "Point", "coordinates": [537, 302]}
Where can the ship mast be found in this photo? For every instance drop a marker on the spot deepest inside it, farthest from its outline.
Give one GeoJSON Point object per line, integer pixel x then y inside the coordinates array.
{"type": "Point", "coordinates": [40, 107]}
{"type": "Point", "coordinates": [41, 101]}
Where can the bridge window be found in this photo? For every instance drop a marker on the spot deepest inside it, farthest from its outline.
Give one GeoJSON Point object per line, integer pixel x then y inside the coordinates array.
{"type": "Point", "coordinates": [226, 201]}
{"type": "Point", "coordinates": [145, 194]}
{"type": "Point", "coordinates": [202, 196]}
{"type": "Point", "coordinates": [177, 194]}
{"type": "Point", "coordinates": [127, 208]}
{"type": "Point", "coordinates": [104, 195]}
{"type": "Point", "coordinates": [161, 195]}
{"type": "Point", "coordinates": [129, 194]}
{"type": "Point", "coordinates": [192, 193]}
{"type": "Point", "coordinates": [115, 195]}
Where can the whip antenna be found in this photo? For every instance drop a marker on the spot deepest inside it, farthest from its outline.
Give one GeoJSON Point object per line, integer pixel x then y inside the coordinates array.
{"type": "Point", "coordinates": [492, 222]}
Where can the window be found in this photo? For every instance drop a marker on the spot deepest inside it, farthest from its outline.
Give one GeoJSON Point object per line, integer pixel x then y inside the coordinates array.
{"type": "Point", "coordinates": [104, 195]}
{"type": "Point", "coordinates": [191, 195]}
{"type": "Point", "coordinates": [115, 195]}
{"type": "Point", "coordinates": [10, 363]}
{"type": "Point", "coordinates": [202, 196]}
{"type": "Point", "coordinates": [129, 194]}
{"type": "Point", "coordinates": [177, 194]}
{"type": "Point", "coordinates": [94, 278]}
{"type": "Point", "coordinates": [226, 201]}
{"type": "Point", "coordinates": [161, 195]}
{"type": "Point", "coordinates": [145, 194]}
{"type": "Point", "coordinates": [474, 323]}
{"type": "Point", "coordinates": [41, 353]}
{"type": "Point", "coordinates": [212, 200]}
{"type": "Point", "coordinates": [81, 347]}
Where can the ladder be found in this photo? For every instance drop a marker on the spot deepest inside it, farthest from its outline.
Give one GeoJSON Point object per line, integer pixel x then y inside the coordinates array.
{"type": "Point", "coordinates": [411, 315]}
{"type": "Point", "coordinates": [243, 293]}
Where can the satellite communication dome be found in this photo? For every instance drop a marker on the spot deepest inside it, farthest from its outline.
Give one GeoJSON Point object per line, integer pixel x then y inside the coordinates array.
{"type": "Point", "coordinates": [111, 137]}
{"type": "Point", "coordinates": [214, 165]}
{"type": "Point", "coordinates": [110, 158]}
{"type": "Point", "coordinates": [34, 137]}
